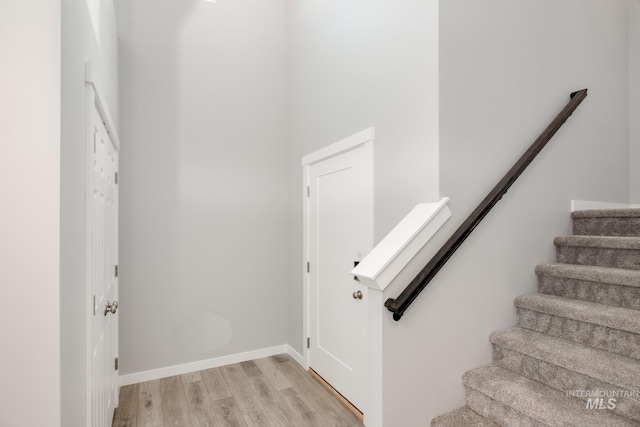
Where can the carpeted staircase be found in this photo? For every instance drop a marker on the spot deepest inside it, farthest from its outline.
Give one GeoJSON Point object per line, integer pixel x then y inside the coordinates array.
{"type": "Point", "coordinates": [579, 336]}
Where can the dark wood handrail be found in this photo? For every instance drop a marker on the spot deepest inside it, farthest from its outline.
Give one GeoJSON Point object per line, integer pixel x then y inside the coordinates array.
{"type": "Point", "coordinates": [399, 305]}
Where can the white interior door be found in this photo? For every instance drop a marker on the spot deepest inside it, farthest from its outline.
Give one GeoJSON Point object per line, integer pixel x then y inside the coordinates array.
{"type": "Point", "coordinates": [101, 270]}
{"type": "Point", "coordinates": [340, 232]}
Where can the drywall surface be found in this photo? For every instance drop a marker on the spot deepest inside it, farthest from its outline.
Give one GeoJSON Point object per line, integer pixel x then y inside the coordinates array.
{"type": "Point", "coordinates": [354, 65]}
{"type": "Point", "coordinates": [634, 100]}
{"type": "Point", "coordinates": [30, 214]}
{"type": "Point", "coordinates": [506, 69]}
{"type": "Point", "coordinates": [88, 34]}
{"type": "Point", "coordinates": [203, 190]}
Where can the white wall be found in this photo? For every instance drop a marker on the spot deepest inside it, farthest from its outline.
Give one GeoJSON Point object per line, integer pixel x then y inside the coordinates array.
{"type": "Point", "coordinates": [88, 34]}
{"type": "Point", "coordinates": [634, 100]}
{"type": "Point", "coordinates": [506, 70]}
{"type": "Point", "coordinates": [203, 231]}
{"type": "Point", "coordinates": [354, 65]}
{"type": "Point", "coordinates": [30, 214]}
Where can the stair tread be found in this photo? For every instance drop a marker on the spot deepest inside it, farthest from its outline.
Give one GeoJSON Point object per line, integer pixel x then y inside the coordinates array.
{"type": "Point", "coordinates": [607, 213]}
{"type": "Point", "coordinates": [610, 242]}
{"type": "Point", "coordinates": [608, 275]}
{"type": "Point", "coordinates": [537, 401]}
{"type": "Point", "coordinates": [611, 368]}
{"type": "Point", "coordinates": [462, 417]}
{"type": "Point", "coordinates": [624, 319]}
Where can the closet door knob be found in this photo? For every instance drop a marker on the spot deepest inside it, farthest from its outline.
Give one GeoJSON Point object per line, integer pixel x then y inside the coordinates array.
{"type": "Point", "coordinates": [110, 307]}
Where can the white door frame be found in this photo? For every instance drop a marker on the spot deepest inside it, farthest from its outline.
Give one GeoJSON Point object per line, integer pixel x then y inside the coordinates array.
{"type": "Point", "coordinates": [93, 96]}
{"type": "Point", "coordinates": [362, 139]}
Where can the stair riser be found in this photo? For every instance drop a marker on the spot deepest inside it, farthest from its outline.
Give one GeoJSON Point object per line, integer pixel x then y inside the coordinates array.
{"type": "Point", "coordinates": [497, 412]}
{"type": "Point", "coordinates": [625, 227]}
{"type": "Point", "coordinates": [463, 417]}
{"type": "Point", "coordinates": [602, 293]}
{"type": "Point", "coordinates": [560, 378]}
{"type": "Point", "coordinates": [602, 257]}
{"type": "Point", "coordinates": [597, 336]}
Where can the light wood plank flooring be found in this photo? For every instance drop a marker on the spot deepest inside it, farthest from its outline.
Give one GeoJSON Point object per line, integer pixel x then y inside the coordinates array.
{"type": "Point", "coordinates": [270, 392]}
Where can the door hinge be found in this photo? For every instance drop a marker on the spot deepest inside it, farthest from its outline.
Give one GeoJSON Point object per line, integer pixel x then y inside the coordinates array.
{"type": "Point", "coordinates": [308, 342]}
{"type": "Point", "coordinates": [116, 177]}
{"type": "Point", "coordinates": [308, 191]}
{"type": "Point", "coordinates": [308, 267]}
{"type": "Point", "coordinates": [94, 305]}
{"type": "Point", "coordinates": [116, 363]}
{"type": "Point", "coordinates": [116, 271]}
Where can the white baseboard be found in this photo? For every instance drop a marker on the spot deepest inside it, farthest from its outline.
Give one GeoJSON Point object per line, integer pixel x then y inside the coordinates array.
{"type": "Point", "coordinates": [583, 205]}
{"type": "Point", "coordinates": [169, 371]}
{"type": "Point", "coordinates": [295, 355]}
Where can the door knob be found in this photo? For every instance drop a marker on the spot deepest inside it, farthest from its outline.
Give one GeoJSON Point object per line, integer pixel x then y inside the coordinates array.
{"type": "Point", "coordinates": [357, 295]}
{"type": "Point", "coordinates": [110, 307]}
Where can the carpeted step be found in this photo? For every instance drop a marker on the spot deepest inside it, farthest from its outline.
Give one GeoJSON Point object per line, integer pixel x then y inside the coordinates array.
{"type": "Point", "coordinates": [462, 417]}
{"type": "Point", "coordinates": [609, 222]}
{"type": "Point", "coordinates": [509, 399]}
{"type": "Point", "coordinates": [617, 252]}
{"type": "Point", "coordinates": [611, 286]}
{"type": "Point", "coordinates": [567, 366]}
{"type": "Point", "coordinates": [601, 326]}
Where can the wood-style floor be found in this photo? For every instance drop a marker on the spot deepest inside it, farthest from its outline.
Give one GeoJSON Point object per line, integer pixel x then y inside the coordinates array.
{"type": "Point", "coordinates": [270, 392]}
